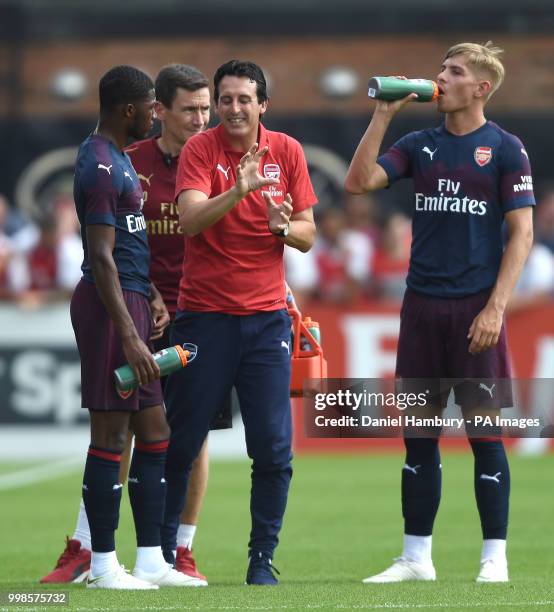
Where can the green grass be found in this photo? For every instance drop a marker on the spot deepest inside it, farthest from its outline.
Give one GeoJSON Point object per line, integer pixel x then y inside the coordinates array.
{"type": "Point", "coordinates": [343, 523]}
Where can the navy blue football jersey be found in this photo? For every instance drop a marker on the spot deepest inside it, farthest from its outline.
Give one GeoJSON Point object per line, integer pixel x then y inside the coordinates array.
{"type": "Point", "coordinates": [107, 191]}
{"type": "Point", "coordinates": [463, 187]}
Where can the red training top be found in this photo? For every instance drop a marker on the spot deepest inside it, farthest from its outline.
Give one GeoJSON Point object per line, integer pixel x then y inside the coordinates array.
{"type": "Point", "coordinates": [157, 172]}
{"type": "Point", "coordinates": [236, 265]}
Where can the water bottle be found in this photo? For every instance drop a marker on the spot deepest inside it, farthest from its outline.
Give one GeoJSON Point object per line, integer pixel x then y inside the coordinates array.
{"type": "Point", "coordinates": [391, 88]}
{"type": "Point", "coordinates": [313, 328]}
{"type": "Point", "coordinates": [169, 360]}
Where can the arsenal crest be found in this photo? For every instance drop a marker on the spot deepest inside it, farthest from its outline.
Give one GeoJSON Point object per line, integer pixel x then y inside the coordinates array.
{"type": "Point", "coordinates": [272, 171]}
{"type": "Point", "coordinates": [482, 155]}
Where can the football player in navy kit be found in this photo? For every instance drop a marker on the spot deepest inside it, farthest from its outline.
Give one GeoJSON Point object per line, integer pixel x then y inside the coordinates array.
{"type": "Point", "coordinates": [115, 310]}
{"type": "Point", "coordinates": [469, 177]}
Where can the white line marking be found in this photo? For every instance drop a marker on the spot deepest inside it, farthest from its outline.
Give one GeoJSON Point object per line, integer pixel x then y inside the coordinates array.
{"type": "Point", "coordinates": [398, 606]}
{"type": "Point", "coordinates": [39, 473]}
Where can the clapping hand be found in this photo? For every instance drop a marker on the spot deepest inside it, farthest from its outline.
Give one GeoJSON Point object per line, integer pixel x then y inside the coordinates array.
{"type": "Point", "coordinates": [248, 177]}
{"type": "Point", "coordinates": [278, 215]}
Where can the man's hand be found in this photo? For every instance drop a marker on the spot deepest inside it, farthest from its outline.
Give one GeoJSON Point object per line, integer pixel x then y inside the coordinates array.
{"type": "Point", "coordinates": [248, 177]}
{"type": "Point", "coordinates": [391, 108]}
{"type": "Point", "coordinates": [278, 215]}
{"type": "Point", "coordinates": [141, 361]}
{"type": "Point", "coordinates": [160, 317]}
{"type": "Point", "coordinates": [484, 330]}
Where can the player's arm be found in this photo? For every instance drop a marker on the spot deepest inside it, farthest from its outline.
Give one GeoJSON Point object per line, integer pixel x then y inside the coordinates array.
{"type": "Point", "coordinates": [520, 241]}
{"type": "Point", "coordinates": [301, 225]}
{"type": "Point", "coordinates": [101, 243]}
{"type": "Point", "coordinates": [159, 312]}
{"type": "Point", "coordinates": [364, 173]}
{"type": "Point", "coordinates": [197, 211]}
{"type": "Point", "coordinates": [486, 326]}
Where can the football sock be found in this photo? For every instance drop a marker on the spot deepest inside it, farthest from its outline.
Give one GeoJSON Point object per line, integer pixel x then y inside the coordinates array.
{"type": "Point", "coordinates": [147, 490]}
{"type": "Point", "coordinates": [82, 529]}
{"type": "Point", "coordinates": [150, 559]}
{"type": "Point", "coordinates": [102, 563]}
{"type": "Point", "coordinates": [417, 548]}
{"type": "Point", "coordinates": [494, 549]}
{"type": "Point", "coordinates": [492, 487]}
{"type": "Point", "coordinates": [421, 485]}
{"type": "Point", "coordinates": [185, 535]}
{"type": "Point", "coordinates": [102, 496]}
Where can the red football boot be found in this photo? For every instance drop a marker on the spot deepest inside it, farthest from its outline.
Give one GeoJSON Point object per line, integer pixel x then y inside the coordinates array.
{"type": "Point", "coordinates": [72, 566]}
{"type": "Point", "coordinates": [185, 563]}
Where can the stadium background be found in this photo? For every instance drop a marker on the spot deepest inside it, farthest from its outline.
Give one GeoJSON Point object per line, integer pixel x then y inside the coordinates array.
{"type": "Point", "coordinates": [318, 58]}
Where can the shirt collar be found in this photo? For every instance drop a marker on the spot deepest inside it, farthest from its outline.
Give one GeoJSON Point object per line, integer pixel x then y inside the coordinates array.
{"type": "Point", "coordinates": [163, 156]}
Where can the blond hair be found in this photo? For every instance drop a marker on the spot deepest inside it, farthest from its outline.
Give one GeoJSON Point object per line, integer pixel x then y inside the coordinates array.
{"type": "Point", "coordinates": [482, 58]}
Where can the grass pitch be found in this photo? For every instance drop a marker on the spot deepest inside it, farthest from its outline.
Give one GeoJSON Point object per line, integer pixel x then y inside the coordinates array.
{"type": "Point", "coordinates": [343, 523]}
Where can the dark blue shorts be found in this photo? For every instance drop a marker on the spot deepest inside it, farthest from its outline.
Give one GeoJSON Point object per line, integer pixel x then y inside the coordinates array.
{"type": "Point", "coordinates": [101, 350]}
{"type": "Point", "coordinates": [433, 348]}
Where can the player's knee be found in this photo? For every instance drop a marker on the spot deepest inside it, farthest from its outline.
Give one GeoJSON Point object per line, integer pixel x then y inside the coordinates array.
{"type": "Point", "coordinates": [118, 439]}
{"type": "Point", "coordinates": [154, 434]}
{"type": "Point", "coordinates": [113, 440]}
{"type": "Point", "coordinates": [151, 427]}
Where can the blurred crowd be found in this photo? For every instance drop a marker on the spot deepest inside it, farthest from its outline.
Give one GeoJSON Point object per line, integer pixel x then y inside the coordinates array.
{"type": "Point", "coordinates": [361, 253]}
{"type": "Point", "coordinates": [40, 261]}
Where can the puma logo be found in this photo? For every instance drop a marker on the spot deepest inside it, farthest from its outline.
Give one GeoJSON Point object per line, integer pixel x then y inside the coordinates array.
{"type": "Point", "coordinates": [146, 179]}
{"type": "Point", "coordinates": [487, 389]}
{"type": "Point", "coordinates": [429, 152]}
{"type": "Point", "coordinates": [225, 172]}
{"type": "Point", "coordinates": [106, 168]}
{"type": "Point", "coordinates": [495, 477]}
{"type": "Point", "coordinates": [128, 176]}
{"type": "Point", "coordinates": [410, 468]}
{"type": "Point", "coordinates": [285, 345]}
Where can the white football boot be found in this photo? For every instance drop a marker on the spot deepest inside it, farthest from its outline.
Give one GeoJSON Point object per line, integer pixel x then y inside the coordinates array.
{"type": "Point", "coordinates": [166, 576]}
{"type": "Point", "coordinates": [403, 569]}
{"type": "Point", "coordinates": [119, 579]}
{"type": "Point", "coordinates": [493, 570]}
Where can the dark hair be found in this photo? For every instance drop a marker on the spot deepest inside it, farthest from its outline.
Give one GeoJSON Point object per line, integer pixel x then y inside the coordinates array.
{"type": "Point", "coordinates": [242, 69]}
{"type": "Point", "coordinates": [173, 76]}
{"type": "Point", "coordinates": [123, 85]}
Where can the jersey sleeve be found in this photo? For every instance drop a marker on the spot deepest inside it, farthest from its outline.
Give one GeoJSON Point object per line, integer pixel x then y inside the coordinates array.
{"type": "Point", "coordinates": [516, 181]}
{"type": "Point", "coordinates": [194, 170]}
{"type": "Point", "coordinates": [101, 185]}
{"type": "Point", "coordinates": [397, 161]}
{"type": "Point", "coordinates": [300, 184]}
